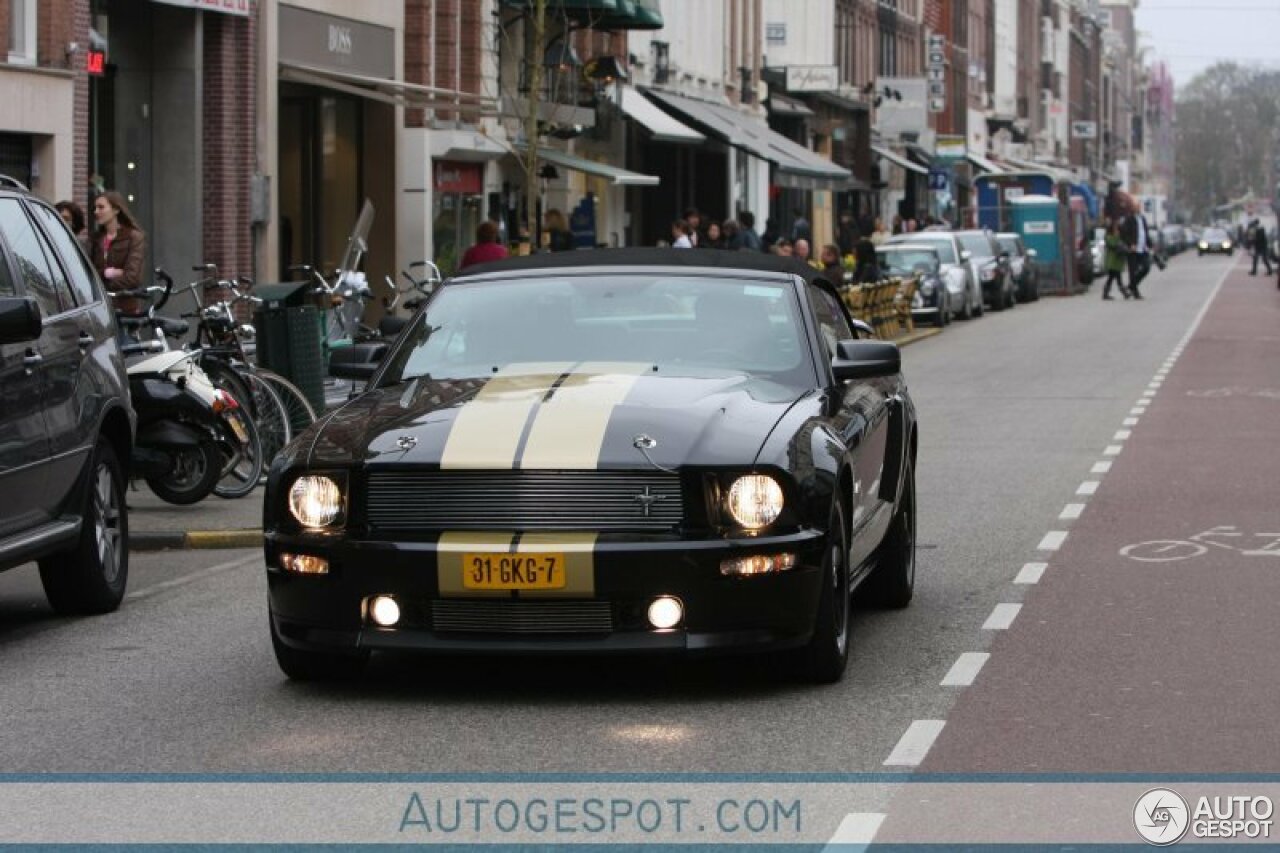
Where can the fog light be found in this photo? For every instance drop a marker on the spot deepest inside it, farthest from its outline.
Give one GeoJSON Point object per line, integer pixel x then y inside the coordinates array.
{"type": "Point", "coordinates": [304, 564]}
{"type": "Point", "coordinates": [385, 611]}
{"type": "Point", "coordinates": [665, 613]}
{"type": "Point", "coordinates": [759, 564]}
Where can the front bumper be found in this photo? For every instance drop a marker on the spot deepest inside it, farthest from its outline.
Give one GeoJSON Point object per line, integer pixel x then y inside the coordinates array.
{"type": "Point", "coordinates": [328, 612]}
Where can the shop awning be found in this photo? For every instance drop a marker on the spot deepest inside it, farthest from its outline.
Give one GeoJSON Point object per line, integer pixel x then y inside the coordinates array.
{"type": "Point", "coordinates": [663, 127]}
{"type": "Point", "coordinates": [395, 92]}
{"type": "Point", "coordinates": [798, 167]}
{"type": "Point", "coordinates": [602, 14]}
{"type": "Point", "coordinates": [783, 106]}
{"type": "Point", "coordinates": [898, 160]}
{"type": "Point", "coordinates": [984, 164]}
{"type": "Point", "coordinates": [617, 176]}
{"type": "Point", "coordinates": [1044, 168]}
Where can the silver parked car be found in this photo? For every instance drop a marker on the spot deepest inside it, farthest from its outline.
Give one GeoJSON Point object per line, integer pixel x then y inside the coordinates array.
{"type": "Point", "coordinates": [1022, 264]}
{"type": "Point", "coordinates": [932, 300]}
{"type": "Point", "coordinates": [962, 284]}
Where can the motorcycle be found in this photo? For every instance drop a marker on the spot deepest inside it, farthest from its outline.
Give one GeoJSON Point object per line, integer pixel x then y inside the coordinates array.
{"type": "Point", "coordinates": [190, 434]}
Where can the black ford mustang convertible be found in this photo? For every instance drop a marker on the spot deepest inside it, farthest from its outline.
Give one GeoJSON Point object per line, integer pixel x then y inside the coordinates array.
{"type": "Point", "coordinates": [606, 451]}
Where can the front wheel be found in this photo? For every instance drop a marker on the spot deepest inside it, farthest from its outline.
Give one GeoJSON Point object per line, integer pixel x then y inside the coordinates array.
{"type": "Point", "coordinates": [967, 312]}
{"type": "Point", "coordinates": [193, 473]}
{"type": "Point", "coordinates": [91, 577]}
{"type": "Point", "coordinates": [301, 665]}
{"type": "Point", "coordinates": [892, 583]}
{"type": "Point", "coordinates": [825, 658]}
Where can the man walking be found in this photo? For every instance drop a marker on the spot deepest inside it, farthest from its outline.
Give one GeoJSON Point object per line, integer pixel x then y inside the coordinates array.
{"type": "Point", "coordinates": [1137, 239]}
{"type": "Point", "coordinates": [1260, 247]}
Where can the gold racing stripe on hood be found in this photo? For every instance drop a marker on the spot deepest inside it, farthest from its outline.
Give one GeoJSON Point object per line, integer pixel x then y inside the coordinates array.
{"type": "Point", "coordinates": [486, 433]}
{"type": "Point", "coordinates": [449, 568]}
{"type": "Point", "coordinates": [568, 430]}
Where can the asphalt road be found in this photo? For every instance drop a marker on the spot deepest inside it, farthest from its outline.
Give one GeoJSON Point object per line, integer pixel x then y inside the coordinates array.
{"type": "Point", "coordinates": [1015, 409]}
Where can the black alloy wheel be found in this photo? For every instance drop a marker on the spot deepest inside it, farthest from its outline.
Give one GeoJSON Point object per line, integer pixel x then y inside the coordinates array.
{"type": "Point", "coordinates": [893, 582]}
{"type": "Point", "coordinates": [825, 658]}
{"type": "Point", "coordinates": [91, 577]}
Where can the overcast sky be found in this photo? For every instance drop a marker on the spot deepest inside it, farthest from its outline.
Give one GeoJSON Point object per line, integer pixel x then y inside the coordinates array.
{"type": "Point", "coordinates": [1192, 35]}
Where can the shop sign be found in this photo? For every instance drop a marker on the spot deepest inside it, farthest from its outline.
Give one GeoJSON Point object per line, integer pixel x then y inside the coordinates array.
{"type": "Point", "coordinates": [813, 78]}
{"type": "Point", "coordinates": [1084, 130]}
{"type": "Point", "coordinates": [339, 44]}
{"type": "Point", "coordinates": [460, 178]}
{"type": "Point", "coordinates": [229, 7]}
{"type": "Point", "coordinates": [95, 62]}
{"type": "Point", "coordinates": [950, 148]}
{"type": "Point", "coordinates": [936, 72]}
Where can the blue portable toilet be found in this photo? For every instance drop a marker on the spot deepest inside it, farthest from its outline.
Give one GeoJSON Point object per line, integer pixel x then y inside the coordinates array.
{"type": "Point", "coordinates": [1039, 219]}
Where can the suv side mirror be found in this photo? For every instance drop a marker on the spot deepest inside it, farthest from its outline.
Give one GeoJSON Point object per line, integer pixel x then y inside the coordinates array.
{"type": "Point", "coordinates": [1032, 253]}
{"type": "Point", "coordinates": [20, 320]}
{"type": "Point", "coordinates": [865, 360]}
{"type": "Point", "coordinates": [966, 255]}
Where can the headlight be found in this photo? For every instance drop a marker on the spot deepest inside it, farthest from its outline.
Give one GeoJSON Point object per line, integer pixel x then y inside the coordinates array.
{"type": "Point", "coordinates": [315, 501]}
{"type": "Point", "coordinates": [928, 287]}
{"type": "Point", "coordinates": [1203, 245]}
{"type": "Point", "coordinates": [1226, 245]}
{"type": "Point", "coordinates": [755, 501]}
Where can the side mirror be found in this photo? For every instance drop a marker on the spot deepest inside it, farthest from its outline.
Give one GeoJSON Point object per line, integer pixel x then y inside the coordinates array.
{"type": "Point", "coordinates": [20, 320]}
{"type": "Point", "coordinates": [355, 370]}
{"type": "Point", "coordinates": [865, 360]}
{"type": "Point", "coordinates": [966, 255]}
{"type": "Point", "coordinates": [1032, 253]}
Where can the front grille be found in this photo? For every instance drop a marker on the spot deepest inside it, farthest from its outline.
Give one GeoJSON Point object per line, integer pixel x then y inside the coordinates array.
{"type": "Point", "coordinates": [522, 617]}
{"type": "Point", "coordinates": [523, 500]}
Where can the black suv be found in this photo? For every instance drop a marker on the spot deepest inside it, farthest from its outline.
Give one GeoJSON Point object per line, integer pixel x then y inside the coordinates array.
{"type": "Point", "coordinates": [66, 426]}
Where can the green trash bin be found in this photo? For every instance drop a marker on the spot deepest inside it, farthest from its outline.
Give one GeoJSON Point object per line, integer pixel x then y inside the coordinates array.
{"type": "Point", "coordinates": [288, 333]}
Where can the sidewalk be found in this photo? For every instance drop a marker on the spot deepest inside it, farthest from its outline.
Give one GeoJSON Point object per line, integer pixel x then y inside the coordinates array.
{"type": "Point", "coordinates": [216, 523]}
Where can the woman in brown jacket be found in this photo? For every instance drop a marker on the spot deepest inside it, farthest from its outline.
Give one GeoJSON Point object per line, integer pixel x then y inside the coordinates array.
{"type": "Point", "coordinates": [119, 249]}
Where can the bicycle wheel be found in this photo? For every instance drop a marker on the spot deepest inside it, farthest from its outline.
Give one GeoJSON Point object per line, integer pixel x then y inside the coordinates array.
{"type": "Point", "coordinates": [242, 466]}
{"type": "Point", "coordinates": [270, 415]}
{"type": "Point", "coordinates": [301, 413]}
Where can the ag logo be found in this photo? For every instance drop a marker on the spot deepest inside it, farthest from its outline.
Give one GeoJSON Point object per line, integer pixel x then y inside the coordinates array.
{"type": "Point", "coordinates": [1161, 817]}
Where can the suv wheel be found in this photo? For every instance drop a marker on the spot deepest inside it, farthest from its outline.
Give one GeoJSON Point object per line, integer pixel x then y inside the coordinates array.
{"type": "Point", "coordinates": [91, 577]}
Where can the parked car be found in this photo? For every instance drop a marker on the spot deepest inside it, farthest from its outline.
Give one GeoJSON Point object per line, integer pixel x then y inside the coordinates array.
{"type": "Point", "coordinates": [990, 267]}
{"type": "Point", "coordinates": [1098, 253]}
{"type": "Point", "coordinates": [932, 300]}
{"type": "Point", "coordinates": [1173, 239]}
{"type": "Point", "coordinates": [1215, 241]}
{"type": "Point", "coordinates": [634, 450]}
{"type": "Point", "coordinates": [1022, 266]}
{"type": "Point", "coordinates": [66, 425]}
{"type": "Point", "coordinates": [957, 275]}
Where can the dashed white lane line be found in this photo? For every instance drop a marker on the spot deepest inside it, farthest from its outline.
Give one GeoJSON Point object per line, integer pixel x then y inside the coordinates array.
{"type": "Point", "coordinates": [1148, 393]}
{"type": "Point", "coordinates": [1129, 422]}
{"type": "Point", "coordinates": [149, 591]}
{"type": "Point", "coordinates": [1100, 467]}
{"type": "Point", "coordinates": [1122, 435]}
{"type": "Point", "coordinates": [1143, 403]}
{"type": "Point", "coordinates": [1112, 450]}
{"type": "Point", "coordinates": [1031, 573]}
{"type": "Point", "coordinates": [856, 828]}
{"type": "Point", "coordinates": [915, 743]}
{"type": "Point", "coordinates": [965, 669]}
{"type": "Point", "coordinates": [1137, 411]}
{"type": "Point", "coordinates": [1002, 617]}
{"type": "Point", "coordinates": [1088, 487]}
{"type": "Point", "coordinates": [1071, 512]}
{"type": "Point", "coordinates": [1052, 540]}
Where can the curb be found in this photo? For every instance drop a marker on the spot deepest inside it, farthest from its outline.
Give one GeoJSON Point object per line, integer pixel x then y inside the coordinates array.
{"type": "Point", "coordinates": [919, 335]}
{"type": "Point", "coordinates": [170, 540]}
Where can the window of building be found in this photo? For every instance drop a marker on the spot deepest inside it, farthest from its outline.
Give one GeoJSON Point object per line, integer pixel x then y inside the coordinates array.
{"type": "Point", "coordinates": [22, 32]}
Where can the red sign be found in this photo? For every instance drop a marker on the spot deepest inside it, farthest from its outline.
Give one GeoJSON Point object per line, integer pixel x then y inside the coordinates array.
{"type": "Point", "coordinates": [462, 178]}
{"type": "Point", "coordinates": [95, 62]}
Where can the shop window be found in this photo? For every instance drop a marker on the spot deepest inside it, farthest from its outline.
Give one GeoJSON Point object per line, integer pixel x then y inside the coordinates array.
{"type": "Point", "coordinates": [22, 32]}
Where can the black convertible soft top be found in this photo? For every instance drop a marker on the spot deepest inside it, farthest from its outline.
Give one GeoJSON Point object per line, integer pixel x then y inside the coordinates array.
{"type": "Point", "coordinates": [646, 257]}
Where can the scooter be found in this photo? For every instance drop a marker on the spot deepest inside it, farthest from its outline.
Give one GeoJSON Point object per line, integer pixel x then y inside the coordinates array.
{"type": "Point", "coordinates": [189, 432]}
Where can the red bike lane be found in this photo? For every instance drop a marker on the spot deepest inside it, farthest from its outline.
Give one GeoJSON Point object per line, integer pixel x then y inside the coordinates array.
{"type": "Point", "coordinates": [1152, 642]}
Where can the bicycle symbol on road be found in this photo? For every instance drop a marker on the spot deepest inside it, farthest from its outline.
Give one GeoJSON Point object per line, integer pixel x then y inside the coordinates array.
{"type": "Point", "coordinates": [1199, 544]}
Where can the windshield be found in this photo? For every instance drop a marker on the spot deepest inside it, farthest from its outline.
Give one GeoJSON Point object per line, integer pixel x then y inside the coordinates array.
{"type": "Point", "coordinates": [978, 244]}
{"type": "Point", "coordinates": [1009, 244]}
{"type": "Point", "coordinates": [679, 325]}
{"type": "Point", "coordinates": [1215, 235]}
{"type": "Point", "coordinates": [943, 245]}
{"type": "Point", "coordinates": [907, 262]}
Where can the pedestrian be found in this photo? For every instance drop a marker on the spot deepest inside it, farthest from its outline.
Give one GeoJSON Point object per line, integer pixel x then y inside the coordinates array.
{"type": "Point", "coordinates": [680, 231]}
{"type": "Point", "coordinates": [486, 248]}
{"type": "Point", "coordinates": [867, 270]}
{"type": "Point", "coordinates": [800, 251]}
{"type": "Point", "coordinates": [694, 218]}
{"type": "Point", "coordinates": [897, 224]}
{"type": "Point", "coordinates": [731, 234]}
{"type": "Point", "coordinates": [559, 237]}
{"type": "Point", "coordinates": [73, 215]}
{"type": "Point", "coordinates": [747, 238]}
{"type": "Point", "coordinates": [878, 234]}
{"type": "Point", "coordinates": [771, 234]}
{"type": "Point", "coordinates": [800, 227]}
{"type": "Point", "coordinates": [119, 250]}
{"type": "Point", "coordinates": [1136, 236]}
{"type": "Point", "coordinates": [1114, 262]}
{"type": "Point", "coordinates": [846, 233]}
{"type": "Point", "coordinates": [1261, 249]}
{"type": "Point", "coordinates": [783, 248]}
{"type": "Point", "coordinates": [831, 265]}
{"type": "Point", "coordinates": [714, 238]}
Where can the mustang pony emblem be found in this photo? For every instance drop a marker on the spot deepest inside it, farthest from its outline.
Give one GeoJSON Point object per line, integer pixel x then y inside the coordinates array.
{"type": "Point", "coordinates": [647, 499]}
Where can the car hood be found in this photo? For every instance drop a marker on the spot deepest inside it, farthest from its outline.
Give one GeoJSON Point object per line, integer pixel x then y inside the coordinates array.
{"type": "Point", "coordinates": [534, 418]}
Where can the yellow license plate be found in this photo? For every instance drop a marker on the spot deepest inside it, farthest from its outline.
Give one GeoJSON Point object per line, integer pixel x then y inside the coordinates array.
{"type": "Point", "coordinates": [482, 570]}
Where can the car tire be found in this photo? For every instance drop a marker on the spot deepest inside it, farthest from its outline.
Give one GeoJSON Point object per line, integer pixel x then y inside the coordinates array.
{"type": "Point", "coordinates": [997, 304]}
{"type": "Point", "coordinates": [892, 582]}
{"type": "Point", "coordinates": [91, 577]}
{"type": "Point", "coordinates": [206, 462]}
{"type": "Point", "coordinates": [825, 658]}
{"type": "Point", "coordinates": [967, 312]}
{"type": "Point", "coordinates": [980, 308]}
{"type": "Point", "coordinates": [304, 665]}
